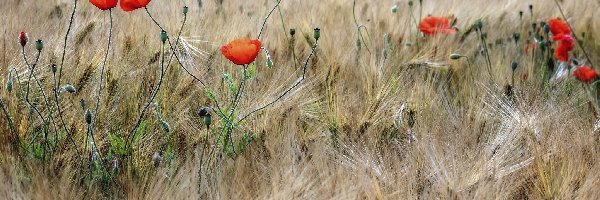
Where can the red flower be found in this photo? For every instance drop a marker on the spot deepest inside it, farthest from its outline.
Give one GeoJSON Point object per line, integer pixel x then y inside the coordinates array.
{"type": "Point", "coordinates": [23, 38]}
{"type": "Point", "coordinates": [564, 47]}
{"type": "Point", "coordinates": [241, 51]}
{"type": "Point", "coordinates": [432, 25]}
{"type": "Point", "coordinates": [130, 5]}
{"type": "Point", "coordinates": [558, 27]}
{"type": "Point", "coordinates": [528, 47]}
{"type": "Point", "coordinates": [585, 74]}
{"type": "Point", "coordinates": [104, 4]}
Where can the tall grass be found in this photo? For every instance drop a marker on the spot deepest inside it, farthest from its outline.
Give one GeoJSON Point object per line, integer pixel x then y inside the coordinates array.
{"type": "Point", "coordinates": [413, 124]}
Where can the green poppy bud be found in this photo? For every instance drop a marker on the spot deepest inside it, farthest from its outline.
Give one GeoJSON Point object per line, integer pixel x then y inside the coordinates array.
{"type": "Point", "coordinates": [88, 116]}
{"type": "Point", "coordinates": [394, 8]}
{"type": "Point", "coordinates": [479, 24]}
{"type": "Point", "coordinates": [317, 33]}
{"type": "Point", "coordinates": [514, 65]}
{"type": "Point", "coordinates": [68, 88]}
{"type": "Point", "coordinates": [207, 119]}
{"type": "Point", "coordinates": [185, 10]}
{"type": "Point", "coordinates": [165, 125]}
{"type": "Point", "coordinates": [163, 36]}
{"type": "Point", "coordinates": [410, 3]}
{"type": "Point", "coordinates": [9, 85]}
{"type": "Point", "coordinates": [292, 32]}
{"type": "Point", "coordinates": [455, 56]}
{"type": "Point", "coordinates": [546, 28]}
{"type": "Point", "coordinates": [53, 68]}
{"type": "Point", "coordinates": [39, 45]}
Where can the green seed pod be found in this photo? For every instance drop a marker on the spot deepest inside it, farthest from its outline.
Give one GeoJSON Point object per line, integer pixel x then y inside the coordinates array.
{"type": "Point", "coordinates": [514, 65]}
{"type": "Point", "coordinates": [479, 24]}
{"type": "Point", "coordinates": [88, 116]}
{"type": "Point", "coordinates": [53, 68]}
{"type": "Point", "coordinates": [165, 125]}
{"type": "Point", "coordinates": [269, 62]}
{"type": "Point", "coordinates": [207, 119]}
{"type": "Point", "coordinates": [39, 45]}
{"type": "Point", "coordinates": [9, 85]}
{"type": "Point", "coordinates": [455, 56]}
{"type": "Point", "coordinates": [163, 36]}
{"type": "Point", "coordinates": [546, 28]}
{"type": "Point", "coordinates": [185, 10]}
{"type": "Point", "coordinates": [82, 103]}
{"type": "Point", "coordinates": [410, 3]}
{"type": "Point", "coordinates": [292, 32]}
{"type": "Point", "coordinates": [394, 8]}
{"type": "Point", "coordinates": [317, 33]}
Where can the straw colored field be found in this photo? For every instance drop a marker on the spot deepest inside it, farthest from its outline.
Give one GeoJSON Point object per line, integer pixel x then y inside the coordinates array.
{"type": "Point", "coordinates": [414, 124]}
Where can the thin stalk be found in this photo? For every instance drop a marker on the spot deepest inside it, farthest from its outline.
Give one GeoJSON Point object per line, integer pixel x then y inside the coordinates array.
{"type": "Point", "coordinates": [358, 27]}
{"type": "Point", "coordinates": [286, 91]}
{"type": "Point", "coordinates": [266, 18]}
{"type": "Point", "coordinates": [97, 109]}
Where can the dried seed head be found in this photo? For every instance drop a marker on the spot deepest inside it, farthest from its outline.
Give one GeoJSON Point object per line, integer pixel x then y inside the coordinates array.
{"type": "Point", "coordinates": [53, 68]}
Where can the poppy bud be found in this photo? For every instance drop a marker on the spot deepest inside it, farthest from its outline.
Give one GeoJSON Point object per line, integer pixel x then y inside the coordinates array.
{"type": "Point", "coordinates": [516, 37]}
{"type": "Point", "coordinates": [521, 14]}
{"type": "Point", "coordinates": [53, 68]}
{"type": "Point", "coordinates": [479, 24]}
{"type": "Point", "coordinates": [534, 25]}
{"type": "Point", "coordinates": [69, 88]}
{"type": "Point", "coordinates": [455, 56]}
{"type": "Point", "coordinates": [207, 119]}
{"type": "Point", "coordinates": [410, 3]}
{"type": "Point", "coordinates": [23, 38]}
{"type": "Point", "coordinates": [269, 62]}
{"type": "Point", "coordinates": [39, 45]}
{"type": "Point", "coordinates": [546, 28]}
{"type": "Point", "coordinates": [163, 36]}
{"type": "Point", "coordinates": [514, 65]}
{"type": "Point", "coordinates": [317, 33]}
{"type": "Point", "coordinates": [358, 43]}
{"type": "Point", "coordinates": [394, 8]}
{"type": "Point", "coordinates": [185, 10]}
{"type": "Point", "coordinates": [165, 126]}
{"type": "Point", "coordinates": [9, 85]}
{"type": "Point", "coordinates": [88, 116]}
{"type": "Point", "coordinates": [82, 103]}
{"type": "Point", "coordinates": [531, 7]}
{"type": "Point", "coordinates": [156, 158]}
{"type": "Point", "coordinates": [292, 31]}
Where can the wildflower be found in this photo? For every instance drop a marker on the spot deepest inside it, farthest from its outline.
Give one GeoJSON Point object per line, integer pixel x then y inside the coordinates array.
{"type": "Point", "coordinates": [23, 38]}
{"type": "Point", "coordinates": [241, 51]}
{"type": "Point", "coordinates": [432, 25]}
{"type": "Point", "coordinates": [585, 74]}
{"type": "Point", "coordinates": [531, 46]}
{"type": "Point", "coordinates": [130, 5]}
{"type": "Point", "coordinates": [558, 28]}
{"type": "Point", "coordinates": [564, 47]}
{"type": "Point", "coordinates": [104, 4]}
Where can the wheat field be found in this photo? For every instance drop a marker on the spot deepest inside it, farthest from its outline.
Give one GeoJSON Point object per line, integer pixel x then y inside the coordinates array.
{"type": "Point", "coordinates": [383, 111]}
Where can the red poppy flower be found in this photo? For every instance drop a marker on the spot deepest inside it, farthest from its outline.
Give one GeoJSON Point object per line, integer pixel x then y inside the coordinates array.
{"type": "Point", "coordinates": [558, 27]}
{"type": "Point", "coordinates": [432, 25]}
{"type": "Point", "coordinates": [104, 4]}
{"type": "Point", "coordinates": [528, 47]}
{"type": "Point", "coordinates": [241, 51]}
{"type": "Point", "coordinates": [564, 47]}
{"type": "Point", "coordinates": [23, 38]}
{"type": "Point", "coordinates": [585, 74]}
{"type": "Point", "coordinates": [130, 5]}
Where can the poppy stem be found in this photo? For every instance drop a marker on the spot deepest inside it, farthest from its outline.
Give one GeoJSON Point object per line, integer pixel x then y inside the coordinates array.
{"type": "Point", "coordinates": [358, 27]}
{"type": "Point", "coordinates": [267, 18]}
{"type": "Point", "coordinates": [218, 110]}
{"type": "Point", "coordinates": [574, 34]}
{"type": "Point", "coordinates": [286, 91]}
{"type": "Point", "coordinates": [97, 109]}
{"type": "Point", "coordinates": [13, 130]}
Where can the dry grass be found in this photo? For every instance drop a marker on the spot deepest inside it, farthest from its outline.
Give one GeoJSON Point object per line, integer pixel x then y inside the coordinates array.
{"type": "Point", "coordinates": [417, 126]}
